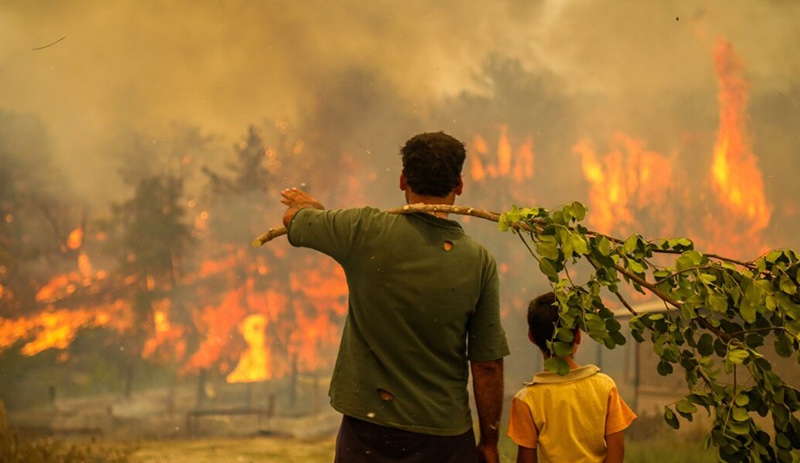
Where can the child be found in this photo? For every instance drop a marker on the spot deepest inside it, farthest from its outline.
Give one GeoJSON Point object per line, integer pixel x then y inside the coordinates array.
{"type": "Point", "coordinates": [578, 417]}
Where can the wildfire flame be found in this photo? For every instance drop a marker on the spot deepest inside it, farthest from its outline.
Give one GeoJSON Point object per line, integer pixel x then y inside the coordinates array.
{"type": "Point", "coordinates": [75, 239]}
{"type": "Point", "coordinates": [518, 164]}
{"type": "Point", "coordinates": [629, 183]}
{"type": "Point", "coordinates": [736, 177]}
{"type": "Point", "coordinates": [259, 320]}
{"type": "Point", "coordinates": [624, 182]}
{"type": "Point", "coordinates": [254, 362]}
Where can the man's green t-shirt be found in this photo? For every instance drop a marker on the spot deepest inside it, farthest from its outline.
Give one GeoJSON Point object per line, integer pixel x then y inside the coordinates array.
{"type": "Point", "coordinates": [424, 300]}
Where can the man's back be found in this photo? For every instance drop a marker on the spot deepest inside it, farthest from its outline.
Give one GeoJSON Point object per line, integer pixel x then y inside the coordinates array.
{"type": "Point", "coordinates": [417, 284]}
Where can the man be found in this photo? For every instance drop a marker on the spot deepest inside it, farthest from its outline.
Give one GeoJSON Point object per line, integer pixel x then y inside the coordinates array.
{"type": "Point", "coordinates": [423, 307]}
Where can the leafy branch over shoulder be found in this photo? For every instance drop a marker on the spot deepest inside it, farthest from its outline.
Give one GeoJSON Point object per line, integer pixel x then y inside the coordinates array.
{"type": "Point", "coordinates": [718, 314]}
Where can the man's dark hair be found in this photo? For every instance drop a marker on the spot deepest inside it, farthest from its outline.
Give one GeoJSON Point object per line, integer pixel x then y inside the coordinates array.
{"type": "Point", "coordinates": [432, 163]}
{"type": "Point", "coordinates": [543, 319]}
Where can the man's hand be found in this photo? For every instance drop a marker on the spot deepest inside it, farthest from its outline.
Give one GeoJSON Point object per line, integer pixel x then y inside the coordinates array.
{"type": "Point", "coordinates": [296, 199]}
{"type": "Point", "coordinates": [488, 453]}
{"type": "Point", "coordinates": [487, 384]}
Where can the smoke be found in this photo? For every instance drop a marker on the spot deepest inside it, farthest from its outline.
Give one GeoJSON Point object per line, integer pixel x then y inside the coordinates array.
{"type": "Point", "coordinates": [109, 81]}
{"type": "Point", "coordinates": [224, 65]}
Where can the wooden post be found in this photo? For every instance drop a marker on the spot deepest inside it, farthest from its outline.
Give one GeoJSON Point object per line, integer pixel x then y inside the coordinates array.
{"type": "Point", "coordinates": [172, 394]}
{"type": "Point", "coordinates": [636, 377]}
{"type": "Point", "coordinates": [3, 420]}
{"type": "Point", "coordinates": [201, 389]}
{"type": "Point", "coordinates": [293, 383]}
{"type": "Point", "coordinates": [316, 398]}
{"type": "Point", "coordinates": [251, 396]}
{"type": "Point", "coordinates": [128, 392]}
{"type": "Point", "coordinates": [51, 393]}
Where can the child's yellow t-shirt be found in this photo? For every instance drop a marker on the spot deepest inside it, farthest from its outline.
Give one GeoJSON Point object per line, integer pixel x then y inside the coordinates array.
{"type": "Point", "coordinates": [567, 417]}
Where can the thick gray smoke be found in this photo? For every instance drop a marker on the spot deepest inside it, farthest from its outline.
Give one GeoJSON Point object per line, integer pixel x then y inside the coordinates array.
{"type": "Point", "coordinates": [224, 65]}
{"type": "Point", "coordinates": [360, 77]}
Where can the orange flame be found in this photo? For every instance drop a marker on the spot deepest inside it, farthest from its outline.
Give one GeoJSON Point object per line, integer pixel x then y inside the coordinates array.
{"type": "Point", "coordinates": [509, 163]}
{"type": "Point", "coordinates": [166, 339]}
{"type": "Point", "coordinates": [626, 181]}
{"type": "Point", "coordinates": [254, 362]}
{"type": "Point", "coordinates": [57, 328]}
{"type": "Point", "coordinates": [736, 177]}
{"type": "Point", "coordinates": [629, 182]}
{"type": "Point", "coordinates": [75, 239]}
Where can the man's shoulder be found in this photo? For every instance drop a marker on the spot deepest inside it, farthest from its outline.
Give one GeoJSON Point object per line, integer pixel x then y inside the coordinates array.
{"type": "Point", "coordinates": [364, 211]}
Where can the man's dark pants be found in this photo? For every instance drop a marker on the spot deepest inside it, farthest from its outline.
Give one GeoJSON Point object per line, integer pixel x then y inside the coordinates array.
{"type": "Point", "coordinates": [363, 442]}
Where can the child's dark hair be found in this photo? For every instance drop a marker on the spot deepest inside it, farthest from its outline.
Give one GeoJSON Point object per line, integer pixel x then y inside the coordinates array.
{"type": "Point", "coordinates": [543, 320]}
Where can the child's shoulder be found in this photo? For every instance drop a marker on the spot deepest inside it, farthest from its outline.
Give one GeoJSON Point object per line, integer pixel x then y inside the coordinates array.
{"type": "Point", "coordinates": [602, 377]}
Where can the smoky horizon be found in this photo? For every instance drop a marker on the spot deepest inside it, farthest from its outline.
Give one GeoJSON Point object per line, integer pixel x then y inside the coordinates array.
{"type": "Point", "coordinates": [143, 146]}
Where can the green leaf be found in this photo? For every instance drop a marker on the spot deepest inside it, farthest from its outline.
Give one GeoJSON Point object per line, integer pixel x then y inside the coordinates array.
{"type": "Point", "coordinates": [680, 244]}
{"type": "Point", "coordinates": [683, 263]}
{"type": "Point", "coordinates": [783, 345]}
{"type": "Point", "coordinates": [595, 326]}
{"type": "Point", "coordinates": [707, 278]}
{"type": "Point", "coordinates": [561, 349]}
{"type": "Point", "coordinates": [631, 244]}
{"type": "Point", "coordinates": [579, 245]}
{"type": "Point", "coordinates": [737, 356]}
{"type": "Point", "coordinates": [604, 246]}
{"type": "Point", "coordinates": [671, 419]}
{"type": "Point", "coordinates": [503, 223]}
{"type": "Point", "coordinates": [634, 266]}
{"type": "Point", "coordinates": [739, 427]}
{"type": "Point", "coordinates": [742, 400]}
{"type": "Point", "coordinates": [754, 340]}
{"type": "Point", "coordinates": [557, 365]}
{"type": "Point", "coordinates": [787, 285]}
{"type": "Point", "coordinates": [747, 311]}
{"type": "Point", "coordinates": [547, 249]}
{"type": "Point", "coordinates": [717, 303]}
{"type": "Point", "coordinates": [740, 414]}
{"type": "Point", "coordinates": [664, 368]}
{"type": "Point", "coordinates": [565, 334]}
{"type": "Point", "coordinates": [783, 441]}
{"type": "Point", "coordinates": [547, 268]}
{"type": "Point", "coordinates": [618, 338]}
{"type": "Point", "coordinates": [705, 345]}
{"type": "Point", "coordinates": [685, 406]}
{"type": "Point", "coordinates": [695, 257]}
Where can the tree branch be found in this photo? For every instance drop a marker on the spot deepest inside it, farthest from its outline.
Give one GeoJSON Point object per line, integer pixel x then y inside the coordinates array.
{"type": "Point", "coordinates": [275, 232]}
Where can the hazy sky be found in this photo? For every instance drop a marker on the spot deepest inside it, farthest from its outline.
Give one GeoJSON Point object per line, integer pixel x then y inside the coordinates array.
{"type": "Point", "coordinates": [225, 64]}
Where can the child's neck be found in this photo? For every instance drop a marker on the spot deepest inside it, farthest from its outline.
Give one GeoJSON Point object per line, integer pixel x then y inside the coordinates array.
{"type": "Point", "coordinates": [569, 359]}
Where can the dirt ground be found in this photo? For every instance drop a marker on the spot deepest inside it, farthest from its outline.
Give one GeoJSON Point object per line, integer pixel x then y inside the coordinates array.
{"type": "Point", "coordinates": [237, 450]}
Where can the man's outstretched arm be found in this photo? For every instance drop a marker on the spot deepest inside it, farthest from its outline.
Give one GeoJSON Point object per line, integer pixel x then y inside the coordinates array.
{"type": "Point", "coordinates": [487, 384]}
{"type": "Point", "coordinates": [296, 199]}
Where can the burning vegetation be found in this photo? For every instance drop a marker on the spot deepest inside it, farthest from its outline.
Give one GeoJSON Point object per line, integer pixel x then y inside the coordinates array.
{"type": "Point", "coordinates": [168, 277]}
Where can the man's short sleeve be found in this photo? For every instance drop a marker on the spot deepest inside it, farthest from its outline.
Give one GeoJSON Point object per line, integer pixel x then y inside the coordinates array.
{"type": "Point", "coordinates": [520, 425]}
{"type": "Point", "coordinates": [330, 231]}
{"type": "Point", "coordinates": [619, 416]}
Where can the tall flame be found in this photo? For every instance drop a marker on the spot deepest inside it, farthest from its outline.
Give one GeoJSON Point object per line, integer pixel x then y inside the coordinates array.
{"type": "Point", "coordinates": [518, 165]}
{"type": "Point", "coordinates": [625, 182]}
{"type": "Point", "coordinates": [260, 317]}
{"type": "Point", "coordinates": [254, 362]}
{"type": "Point", "coordinates": [630, 184]}
{"type": "Point", "coordinates": [736, 177]}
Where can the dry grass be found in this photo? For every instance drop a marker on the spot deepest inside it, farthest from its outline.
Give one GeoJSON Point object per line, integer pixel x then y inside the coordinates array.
{"type": "Point", "coordinates": [236, 450]}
